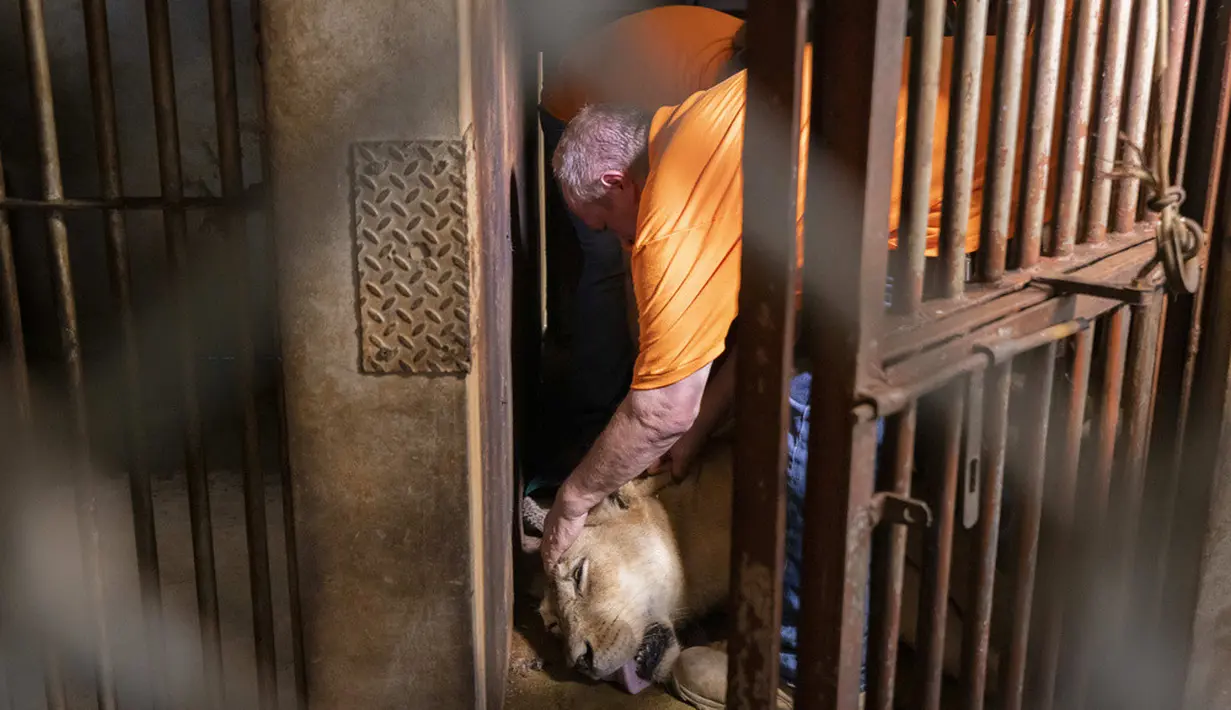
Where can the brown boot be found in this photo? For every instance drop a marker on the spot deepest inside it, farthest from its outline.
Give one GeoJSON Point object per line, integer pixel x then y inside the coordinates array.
{"type": "Point", "coordinates": [699, 678]}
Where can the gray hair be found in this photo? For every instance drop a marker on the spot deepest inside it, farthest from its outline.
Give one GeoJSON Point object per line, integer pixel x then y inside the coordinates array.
{"type": "Point", "coordinates": [600, 138]}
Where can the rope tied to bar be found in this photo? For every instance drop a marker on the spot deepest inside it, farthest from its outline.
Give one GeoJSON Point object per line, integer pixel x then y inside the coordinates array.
{"type": "Point", "coordinates": [1178, 239]}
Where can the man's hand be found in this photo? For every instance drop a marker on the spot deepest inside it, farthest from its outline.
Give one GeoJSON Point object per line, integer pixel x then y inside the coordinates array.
{"type": "Point", "coordinates": [561, 527]}
{"type": "Point", "coordinates": [679, 459]}
{"type": "Point", "coordinates": [645, 425]}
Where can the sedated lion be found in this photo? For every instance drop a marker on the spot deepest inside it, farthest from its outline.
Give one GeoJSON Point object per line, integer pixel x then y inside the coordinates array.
{"type": "Point", "coordinates": [656, 555]}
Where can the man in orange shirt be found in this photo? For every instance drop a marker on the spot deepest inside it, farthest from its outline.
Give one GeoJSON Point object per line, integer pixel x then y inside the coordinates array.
{"type": "Point", "coordinates": [657, 57]}
{"type": "Point", "coordinates": [669, 185]}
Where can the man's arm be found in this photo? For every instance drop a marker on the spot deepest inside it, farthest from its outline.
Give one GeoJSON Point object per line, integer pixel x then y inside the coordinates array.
{"type": "Point", "coordinates": [643, 428]}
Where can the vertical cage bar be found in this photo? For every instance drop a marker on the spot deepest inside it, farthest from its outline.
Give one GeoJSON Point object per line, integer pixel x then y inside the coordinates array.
{"type": "Point", "coordinates": [284, 454]}
{"type": "Point", "coordinates": [1084, 42]}
{"type": "Point", "coordinates": [938, 546]}
{"type": "Point", "coordinates": [1039, 129]}
{"type": "Point", "coordinates": [11, 311]}
{"type": "Point", "coordinates": [1056, 531]}
{"type": "Point", "coordinates": [983, 578]}
{"type": "Point", "coordinates": [1090, 593]}
{"type": "Point", "coordinates": [10, 307]}
{"type": "Point", "coordinates": [1177, 43]}
{"type": "Point", "coordinates": [1039, 366]}
{"type": "Point", "coordinates": [768, 273]}
{"type": "Point", "coordinates": [1195, 57]}
{"type": "Point", "coordinates": [34, 29]}
{"type": "Point", "coordinates": [102, 92]}
{"type": "Point", "coordinates": [1107, 118]}
{"type": "Point", "coordinates": [926, 43]}
{"type": "Point", "coordinates": [960, 149]}
{"type": "Point", "coordinates": [1014, 18]}
{"type": "Point", "coordinates": [889, 568]}
{"type": "Point", "coordinates": [1141, 83]}
{"type": "Point", "coordinates": [856, 77]}
{"type": "Point", "coordinates": [1130, 480]}
{"type": "Point", "coordinates": [166, 125]}
{"type": "Point", "coordinates": [226, 110]}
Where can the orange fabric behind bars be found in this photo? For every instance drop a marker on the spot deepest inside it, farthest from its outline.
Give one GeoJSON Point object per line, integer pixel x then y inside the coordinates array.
{"type": "Point", "coordinates": [987, 113]}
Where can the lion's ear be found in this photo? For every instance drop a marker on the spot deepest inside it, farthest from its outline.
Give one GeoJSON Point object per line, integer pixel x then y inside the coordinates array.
{"type": "Point", "coordinates": [612, 507]}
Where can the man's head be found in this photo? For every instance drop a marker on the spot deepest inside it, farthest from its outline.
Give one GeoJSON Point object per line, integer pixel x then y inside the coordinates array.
{"type": "Point", "coordinates": [601, 166]}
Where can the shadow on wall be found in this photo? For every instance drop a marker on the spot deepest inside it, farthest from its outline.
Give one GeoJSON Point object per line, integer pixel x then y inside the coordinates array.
{"type": "Point", "coordinates": [96, 307]}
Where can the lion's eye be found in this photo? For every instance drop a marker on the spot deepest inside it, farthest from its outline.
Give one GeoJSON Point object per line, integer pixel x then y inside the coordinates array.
{"type": "Point", "coordinates": [579, 576]}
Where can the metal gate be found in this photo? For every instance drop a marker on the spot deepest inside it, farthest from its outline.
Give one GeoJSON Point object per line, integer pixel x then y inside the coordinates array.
{"type": "Point", "coordinates": [163, 393]}
{"type": "Point", "coordinates": [1051, 421]}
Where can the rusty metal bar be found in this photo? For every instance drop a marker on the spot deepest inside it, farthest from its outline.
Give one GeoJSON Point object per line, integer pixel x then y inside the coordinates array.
{"type": "Point", "coordinates": [166, 125]}
{"type": "Point", "coordinates": [927, 41]}
{"type": "Point", "coordinates": [977, 628]}
{"type": "Point", "coordinates": [1195, 55]}
{"type": "Point", "coordinates": [938, 546]}
{"type": "Point", "coordinates": [1014, 18]}
{"type": "Point", "coordinates": [1129, 481]}
{"type": "Point", "coordinates": [19, 387]}
{"type": "Point", "coordinates": [888, 569]}
{"type": "Point", "coordinates": [1107, 118]}
{"type": "Point", "coordinates": [1177, 42]}
{"type": "Point", "coordinates": [1040, 126]}
{"type": "Point", "coordinates": [1140, 88]}
{"type": "Point", "coordinates": [102, 91]}
{"type": "Point", "coordinates": [1089, 594]}
{"type": "Point", "coordinates": [34, 31]}
{"type": "Point", "coordinates": [1039, 366]}
{"type": "Point", "coordinates": [1077, 127]}
{"type": "Point", "coordinates": [960, 149]}
{"type": "Point", "coordinates": [856, 76]}
{"type": "Point", "coordinates": [125, 202]}
{"type": "Point", "coordinates": [11, 310]}
{"type": "Point", "coordinates": [1056, 531]}
{"type": "Point", "coordinates": [284, 456]}
{"type": "Point", "coordinates": [768, 273]}
{"type": "Point", "coordinates": [226, 111]}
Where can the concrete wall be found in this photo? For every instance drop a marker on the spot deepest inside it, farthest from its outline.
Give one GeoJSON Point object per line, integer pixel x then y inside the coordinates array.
{"type": "Point", "coordinates": [404, 566]}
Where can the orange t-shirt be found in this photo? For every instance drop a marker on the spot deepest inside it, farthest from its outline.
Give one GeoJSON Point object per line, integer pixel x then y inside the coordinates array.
{"type": "Point", "coordinates": [686, 254]}
{"type": "Point", "coordinates": [653, 58]}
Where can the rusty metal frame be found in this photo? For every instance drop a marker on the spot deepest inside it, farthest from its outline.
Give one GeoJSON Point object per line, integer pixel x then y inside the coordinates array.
{"type": "Point", "coordinates": [962, 347]}
{"type": "Point", "coordinates": [768, 268]}
{"type": "Point", "coordinates": [856, 74]}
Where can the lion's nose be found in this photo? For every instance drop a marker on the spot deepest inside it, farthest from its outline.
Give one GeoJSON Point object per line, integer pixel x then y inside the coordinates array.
{"type": "Point", "coordinates": [585, 662]}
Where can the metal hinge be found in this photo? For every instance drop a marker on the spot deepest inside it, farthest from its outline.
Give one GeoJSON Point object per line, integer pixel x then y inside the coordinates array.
{"type": "Point", "coordinates": [898, 509]}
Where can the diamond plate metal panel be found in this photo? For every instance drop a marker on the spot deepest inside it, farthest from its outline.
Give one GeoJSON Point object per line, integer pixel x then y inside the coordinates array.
{"type": "Point", "coordinates": [413, 255]}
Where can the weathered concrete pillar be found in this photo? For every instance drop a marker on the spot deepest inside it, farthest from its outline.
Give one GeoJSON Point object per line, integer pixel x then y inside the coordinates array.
{"type": "Point", "coordinates": [389, 522]}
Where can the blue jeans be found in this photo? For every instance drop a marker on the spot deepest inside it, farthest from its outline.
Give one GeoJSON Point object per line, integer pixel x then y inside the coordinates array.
{"type": "Point", "coordinates": [797, 473]}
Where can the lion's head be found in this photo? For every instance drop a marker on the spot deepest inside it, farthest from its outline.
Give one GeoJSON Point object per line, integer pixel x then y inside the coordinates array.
{"type": "Point", "coordinates": [613, 595]}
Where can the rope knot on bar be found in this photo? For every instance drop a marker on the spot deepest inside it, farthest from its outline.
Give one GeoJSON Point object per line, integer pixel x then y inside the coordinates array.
{"type": "Point", "coordinates": [1179, 238]}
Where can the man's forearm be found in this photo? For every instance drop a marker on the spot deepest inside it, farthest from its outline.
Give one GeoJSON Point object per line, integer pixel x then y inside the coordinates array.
{"type": "Point", "coordinates": [643, 428]}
